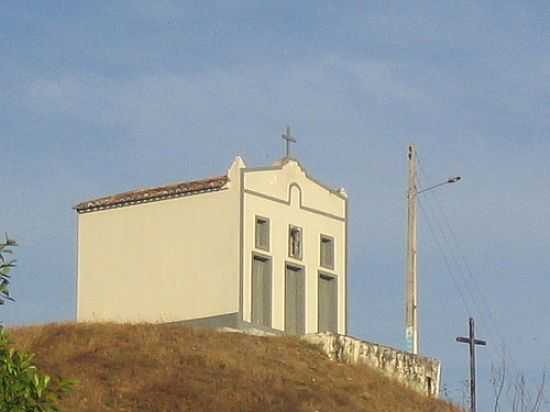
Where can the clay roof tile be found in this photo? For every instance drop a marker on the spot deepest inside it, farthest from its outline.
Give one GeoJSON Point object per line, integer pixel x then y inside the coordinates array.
{"type": "Point", "coordinates": [153, 194]}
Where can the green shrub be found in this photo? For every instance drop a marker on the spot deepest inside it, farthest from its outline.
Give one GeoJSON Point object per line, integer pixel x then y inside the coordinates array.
{"type": "Point", "coordinates": [5, 268]}
{"type": "Point", "coordinates": [22, 387]}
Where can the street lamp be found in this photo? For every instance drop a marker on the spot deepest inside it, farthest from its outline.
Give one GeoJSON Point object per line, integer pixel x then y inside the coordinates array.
{"type": "Point", "coordinates": [411, 308]}
{"type": "Point", "coordinates": [449, 180]}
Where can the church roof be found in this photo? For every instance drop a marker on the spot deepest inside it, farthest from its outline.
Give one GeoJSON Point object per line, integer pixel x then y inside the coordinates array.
{"type": "Point", "coordinates": [153, 194]}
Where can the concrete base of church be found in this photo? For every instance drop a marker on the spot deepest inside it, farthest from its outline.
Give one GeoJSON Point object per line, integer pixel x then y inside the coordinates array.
{"type": "Point", "coordinates": [229, 321]}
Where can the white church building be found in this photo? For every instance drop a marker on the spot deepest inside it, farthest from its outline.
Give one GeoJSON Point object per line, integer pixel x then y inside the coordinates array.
{"type": "Point", "coordinates": [257, 247]}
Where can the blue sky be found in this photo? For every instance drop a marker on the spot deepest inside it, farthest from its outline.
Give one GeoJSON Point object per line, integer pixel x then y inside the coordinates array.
{"type": "Point", "coordinates": [102, 97]}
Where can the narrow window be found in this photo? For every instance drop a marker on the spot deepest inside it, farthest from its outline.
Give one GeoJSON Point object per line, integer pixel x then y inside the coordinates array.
{"type": "Point", "coordinates": [262, 233]}
{"type": "Point", "coordinates": [328, 303]}
{"type": "Point", "coordinates": [261, 291]}
{"type": "Point", "coordinates": [295, 242]}
{"type": "Point", "coordinates": [327, 252]}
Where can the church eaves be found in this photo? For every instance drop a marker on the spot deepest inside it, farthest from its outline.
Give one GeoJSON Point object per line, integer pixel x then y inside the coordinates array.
{"type": "Point", "coordinates": [153, 194]}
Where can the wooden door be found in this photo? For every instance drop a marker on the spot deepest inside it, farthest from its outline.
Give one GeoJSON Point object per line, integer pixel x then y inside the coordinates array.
{"type": "Point", "coordinates": [261, 291]}
{"type": "Point", "coordinates": [295, 301]}
{"type": "Point", "coordinates": [328, 303]}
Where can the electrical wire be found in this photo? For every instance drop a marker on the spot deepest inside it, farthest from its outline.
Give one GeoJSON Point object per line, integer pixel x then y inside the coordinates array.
{"type": "Point", "coordinates": [445, 235]}
{"type": "Point", "coordinates": [476, 294]}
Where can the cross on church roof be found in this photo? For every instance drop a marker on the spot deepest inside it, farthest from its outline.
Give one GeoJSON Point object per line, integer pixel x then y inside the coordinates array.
{"type": "Point", "coordinates": [289, 139]}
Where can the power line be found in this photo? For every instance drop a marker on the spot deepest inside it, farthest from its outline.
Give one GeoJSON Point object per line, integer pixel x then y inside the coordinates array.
{"type": "Point", "coordinates": [466, 272]}
{"type": "Point", "coordinates": [446, 260]}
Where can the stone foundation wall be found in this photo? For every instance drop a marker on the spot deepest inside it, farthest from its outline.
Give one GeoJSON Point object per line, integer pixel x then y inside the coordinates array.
{"type": "Point", "coordinates": [419, 373]}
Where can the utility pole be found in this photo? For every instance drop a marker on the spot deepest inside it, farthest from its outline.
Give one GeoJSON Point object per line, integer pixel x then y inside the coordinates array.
{"type": "Point", "coordinates": [472, 342]}
{"type": "Point", "coordinates": [411, 304]}
{"type": "Point", "coordinates": [411, 326]}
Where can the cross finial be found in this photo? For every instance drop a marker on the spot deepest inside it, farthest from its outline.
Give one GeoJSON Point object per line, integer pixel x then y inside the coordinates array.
{"type": "Point", "coordinates": [289, 139]}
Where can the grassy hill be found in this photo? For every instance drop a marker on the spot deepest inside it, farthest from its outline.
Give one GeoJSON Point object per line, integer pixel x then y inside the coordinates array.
{"type": "Point", "coordinates": [169, 368]}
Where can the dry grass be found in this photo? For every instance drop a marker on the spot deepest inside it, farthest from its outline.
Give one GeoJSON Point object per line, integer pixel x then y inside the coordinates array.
{"type": "Point", "coordinates": [172, 368]}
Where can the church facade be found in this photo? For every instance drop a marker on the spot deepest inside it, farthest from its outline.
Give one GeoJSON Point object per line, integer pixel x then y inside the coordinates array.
{"type": "Point", "coordinates": [260, 247]}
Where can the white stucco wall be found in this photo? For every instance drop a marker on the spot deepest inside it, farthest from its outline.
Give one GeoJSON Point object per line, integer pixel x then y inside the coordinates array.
{"type": "Point", "coordinates": [288, 197]}
{"type": "Point", "coordinates": [163, 261]}
{"type": "Point", "coordinates": [417, 372]}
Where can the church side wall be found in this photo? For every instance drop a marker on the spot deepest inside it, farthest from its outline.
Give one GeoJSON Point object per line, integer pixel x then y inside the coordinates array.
{"type": "Point", "coordinates": [163, 261]}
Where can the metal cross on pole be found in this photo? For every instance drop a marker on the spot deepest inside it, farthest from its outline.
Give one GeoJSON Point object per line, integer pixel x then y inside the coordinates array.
{"type": "Point", "coordinates": [472, 341]}
{"type": "Point", "coordinates": [289, 139]}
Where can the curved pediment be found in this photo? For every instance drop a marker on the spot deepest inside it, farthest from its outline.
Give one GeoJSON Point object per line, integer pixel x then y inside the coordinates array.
{"type": "Point", "coordinates": [288, 182]}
